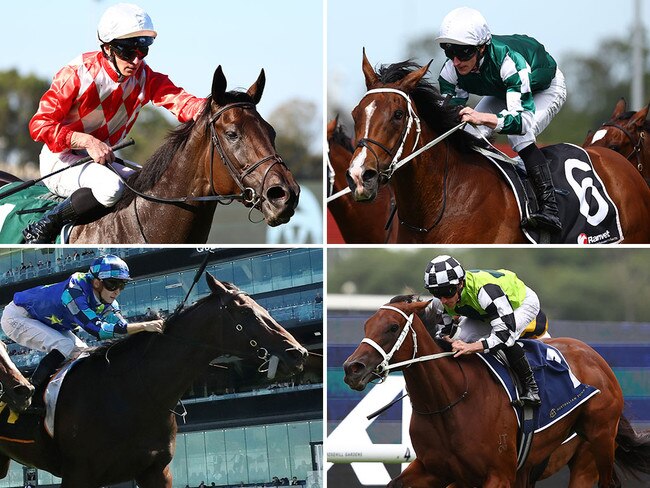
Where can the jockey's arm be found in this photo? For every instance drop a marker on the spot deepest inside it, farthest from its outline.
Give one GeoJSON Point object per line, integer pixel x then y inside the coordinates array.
{"type": "Point", "coordinates": [146, 326]}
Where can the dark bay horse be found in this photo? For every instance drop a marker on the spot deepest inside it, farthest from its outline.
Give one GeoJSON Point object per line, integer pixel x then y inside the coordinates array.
{"type": "Point", "coordinates": [358, 223]}
{"type": "Point", "coordinates": [116, 418]}
{"type": "Point", "coordinates": [450, 194]}
{"type": "Point", "coordinates": [463, 428]}
{"type": "Point", "coordinates": [626, 132]}
{"type": "Point", "coordinates": [227, 154]}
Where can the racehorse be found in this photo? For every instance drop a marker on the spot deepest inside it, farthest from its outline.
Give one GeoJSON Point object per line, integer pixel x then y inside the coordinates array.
{"type": "Point", "coordinates": [451, 194]}
{"type": "Point", "coordinates": [358, 223]}
{"type": "Point", "coordinates": [462, 427]}
{"type": "Point", "coordinates": [626, 133]}
{"type": "Point", "coordinates": [227, 154]}
{"type": "Point", "coordinates": [116, 418]}
{"type": "Point", "coordinates": [15, 390]}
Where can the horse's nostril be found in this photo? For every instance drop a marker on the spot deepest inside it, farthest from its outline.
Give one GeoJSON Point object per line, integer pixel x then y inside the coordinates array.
{"type": "Point", "coordinates": [369, 175]}
{"type": "Point", "coordinates": [276, 193]}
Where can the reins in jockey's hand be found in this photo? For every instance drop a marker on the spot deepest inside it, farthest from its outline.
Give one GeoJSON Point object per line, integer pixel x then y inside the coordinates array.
{"type": "Point", "coordinates": [87, 159]}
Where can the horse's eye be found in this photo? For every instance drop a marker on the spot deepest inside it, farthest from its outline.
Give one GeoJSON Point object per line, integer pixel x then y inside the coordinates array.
{"type": "Point", "coordinates": [398, 115]}
{"type": "Point", "coordinates": [394, 328]}
{"type": "Point", "coordinates": [615, 147]}
{"type": "Point", "coordinates": [232, 135]}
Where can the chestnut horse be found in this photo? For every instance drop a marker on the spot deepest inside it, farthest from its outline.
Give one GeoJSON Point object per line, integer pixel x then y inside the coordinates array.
{"type": "Point", "coordinates": [463, 428]}
{"type": "Point", "coordinates": [358, 223]}
{"type": "Point", "coordinates": [116, 411]}
{"type": "Point", "coordinates": [450, 194]}
{"type": "Point", "coordinates": [627, 134]}
{"type": "Point", "coordinates": [227, 153]}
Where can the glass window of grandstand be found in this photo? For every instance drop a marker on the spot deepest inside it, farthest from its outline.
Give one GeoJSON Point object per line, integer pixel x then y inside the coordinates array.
{"type": "Point", "coordinates": [249, 455]}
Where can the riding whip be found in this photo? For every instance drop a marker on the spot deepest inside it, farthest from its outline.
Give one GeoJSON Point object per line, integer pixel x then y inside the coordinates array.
{"type": "Point", "coordinates": [27, 184]}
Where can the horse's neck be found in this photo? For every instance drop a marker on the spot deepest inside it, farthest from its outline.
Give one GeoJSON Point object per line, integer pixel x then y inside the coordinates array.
{"type": "Point", "coordinates": [433, 384]}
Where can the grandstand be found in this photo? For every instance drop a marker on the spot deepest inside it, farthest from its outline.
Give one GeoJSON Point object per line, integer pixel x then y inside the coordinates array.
{"type": "Point", "coordinates": [241, 428]}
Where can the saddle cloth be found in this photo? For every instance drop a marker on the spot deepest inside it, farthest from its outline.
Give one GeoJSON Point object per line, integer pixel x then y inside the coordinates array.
{"type": "Point", "coordinates": [561, 392]}
{"type": "Point", "coordinates": [19, 210]}
{"type": "Point", "coordinates": [586, 210]}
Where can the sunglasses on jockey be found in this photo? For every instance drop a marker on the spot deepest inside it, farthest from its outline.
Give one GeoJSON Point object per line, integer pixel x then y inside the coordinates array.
{"type": "Point", "coordinates": [446, 291]}
{"type": "Point", "coordinates": [112, 284]}
{"type": "Point", "coordinates": [131, 48]}
{"type": "Point", "coordinates": [463, 53]}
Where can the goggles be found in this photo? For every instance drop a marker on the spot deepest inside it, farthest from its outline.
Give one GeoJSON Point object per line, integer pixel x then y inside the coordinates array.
{"type": "Point", "coordinates": [112, 284]}
{"type": "Point", "coordinates": [447, 291]}
{"type": "Point", "coordinates": [463, 53]}
{"type": "Point", "coordinates": [131, 48]}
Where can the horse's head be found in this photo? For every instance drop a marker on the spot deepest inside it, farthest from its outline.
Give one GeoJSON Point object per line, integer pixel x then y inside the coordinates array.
{"type": "Point", "coordinates": [245, 143]}
{"type": "Point", "coordinates": [386, 127]}
{"type": "Point", "coordinates": [339, 153]}
{"type": "Point", "coordinates": [253, 332]}
{"type": "Point", "coordinates": [390, 337]}
{"type": "Point", "coordinates": [625, 132]}
{"type": "Point", "coordinates": [15, 390]}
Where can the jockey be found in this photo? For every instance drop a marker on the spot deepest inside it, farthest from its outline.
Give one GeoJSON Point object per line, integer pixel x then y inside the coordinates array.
{"type": "Point", "coordinates": [523, 90]}
{"type": "Point", "coordinates": [91, 105]}
{"type": "Point", "coordinates": [43, 318]}
{"type": "Point", "coordinates": [495, 306]}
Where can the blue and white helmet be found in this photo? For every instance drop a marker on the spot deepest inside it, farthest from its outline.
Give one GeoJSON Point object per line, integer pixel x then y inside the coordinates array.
{"type": "Point", "coordinates": [443, 271]}
{"type": "Point", "coordinates": [109, 266]}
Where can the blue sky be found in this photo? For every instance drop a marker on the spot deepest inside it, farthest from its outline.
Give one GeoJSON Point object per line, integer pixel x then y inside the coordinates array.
{"type": "Point", "coordinates": [194, 36]}
{"type": "Point", "coordinates": [384, 27]}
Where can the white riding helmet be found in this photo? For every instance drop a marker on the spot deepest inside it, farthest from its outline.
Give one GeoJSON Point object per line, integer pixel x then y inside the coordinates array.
{"type": "Point", "coordinates": [464, 26]}
{"type": "Point", "coordinates": [122, 21]}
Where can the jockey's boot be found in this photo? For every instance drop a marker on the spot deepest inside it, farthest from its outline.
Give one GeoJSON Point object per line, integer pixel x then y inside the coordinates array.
{"type": "Point", "coordinates": [45, 369]}
{"type": "Point", "coordinates": [547, 216]}
{"type": "Point", "coordinates": [80, 204]}
{"type": "Point", "coordinates": [520, 365]}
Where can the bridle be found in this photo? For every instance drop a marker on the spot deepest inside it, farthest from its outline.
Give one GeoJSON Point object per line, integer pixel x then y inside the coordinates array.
{"type": "Point", "coordinates": [636, 146]}
{"type": "Point", "coordinates": [383, 368]}
{"type": "Point", "coordinates": [248, 194]}
{"type": "Point", "coordinates": [396, 152]}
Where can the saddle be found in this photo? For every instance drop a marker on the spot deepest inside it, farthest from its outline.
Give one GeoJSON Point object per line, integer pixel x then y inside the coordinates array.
{"type": "Point", "coordinates": [587, 212]}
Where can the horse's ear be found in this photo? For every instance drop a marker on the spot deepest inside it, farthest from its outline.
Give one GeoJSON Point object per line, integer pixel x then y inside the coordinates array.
{"type": "Point", "coordinates": [331, 126]}
{"type": "Point", "coordinates": [219, 86]}
{"type": "Point", "coordinates": [621, 105]}
{"type": "Point", "coordinates": [215, 285]}
{"type": "Point", "coordinates": [368, 71]}
{"type": "Point", "coordinates": [410, 81]}
{"type": "Point", "coordinates": [257, 88]}
{"type": "Point", "coordinates": [638, 118]}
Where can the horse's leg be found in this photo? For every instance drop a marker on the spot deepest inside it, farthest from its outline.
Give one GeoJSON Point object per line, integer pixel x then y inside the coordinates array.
{"type": "Point", "coordinates": [582, 466]}
{"type": "Point", "coordinates": [601, 436]}
{"type": "Point", "coordinates": [497, 480]}
{"type": "Point", "coordinates": [4, 465]}
{"type": "Point", "coordinates": [416, 476]}
{"type": "Point", "coordinates": [155, 477]}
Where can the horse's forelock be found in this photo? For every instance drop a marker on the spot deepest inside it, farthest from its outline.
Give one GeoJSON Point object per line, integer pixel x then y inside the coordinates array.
{"type": "Point", "coordinates": [405, 298]}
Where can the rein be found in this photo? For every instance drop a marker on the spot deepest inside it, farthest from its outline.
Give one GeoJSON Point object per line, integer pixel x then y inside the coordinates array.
{"type": "Point", "coordinates": [636, 146]}
{"type": "Point", "coordinates": [384, 368]}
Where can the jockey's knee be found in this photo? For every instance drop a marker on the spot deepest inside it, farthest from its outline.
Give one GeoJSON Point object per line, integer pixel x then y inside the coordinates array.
{"type": "Point", "coordinates": [108, 195]}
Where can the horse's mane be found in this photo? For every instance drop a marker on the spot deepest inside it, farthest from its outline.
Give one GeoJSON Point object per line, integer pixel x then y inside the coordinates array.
{"type": "Point", "coordinates": [340, 137]}
{"type": "Point", "coordinates": [133, 341]}
{"type": "Point", "coordinates": [174, 141]}
{"type": "Point", "coordinates": [412, 298]}
{"type": "Point", "coordinates": [431, 105]}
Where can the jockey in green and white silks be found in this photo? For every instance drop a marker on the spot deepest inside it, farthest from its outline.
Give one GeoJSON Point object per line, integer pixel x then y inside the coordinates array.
{"type": "Point", "coordinates": [522, 87]}
{"type": "Point", "coordinates": [495, 307]}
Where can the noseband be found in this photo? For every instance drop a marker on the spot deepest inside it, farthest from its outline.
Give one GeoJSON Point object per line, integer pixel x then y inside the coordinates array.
{"type": "Point", "coordinates": [248, 194]}
{"type": "Point", "coordinates": [636, 146]}
{"type": "Point", "coordinates": [394, 153]}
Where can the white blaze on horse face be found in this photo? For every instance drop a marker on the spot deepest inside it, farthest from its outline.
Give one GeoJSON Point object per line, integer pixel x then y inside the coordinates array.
{"type": "Point", "coordinates": [598, 135]}
{"type": "Point", "coordinates": [356, 166]}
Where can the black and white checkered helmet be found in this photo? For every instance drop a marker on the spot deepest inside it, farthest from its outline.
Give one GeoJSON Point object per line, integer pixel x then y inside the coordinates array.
{"type": "Point", "coordinates": [443, 271]}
